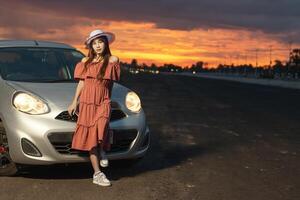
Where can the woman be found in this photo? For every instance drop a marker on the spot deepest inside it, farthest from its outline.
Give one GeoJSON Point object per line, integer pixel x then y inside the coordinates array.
{"type": "Point", "coordinates": [96, 74]}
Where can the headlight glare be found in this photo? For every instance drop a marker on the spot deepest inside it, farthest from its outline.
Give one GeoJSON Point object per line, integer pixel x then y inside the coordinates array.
{"type": "Point", "coordinates": [133, 102]}
{"type": "Point", "coordinates": [29, 104]}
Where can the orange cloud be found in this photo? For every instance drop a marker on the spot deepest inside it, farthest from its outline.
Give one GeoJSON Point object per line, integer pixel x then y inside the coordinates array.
{"type": "Point", "coordinates": [148, 43]}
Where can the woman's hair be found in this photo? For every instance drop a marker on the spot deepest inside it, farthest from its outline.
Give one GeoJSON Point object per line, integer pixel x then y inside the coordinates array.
{"type": "Point", "coordinates": [105, 54]}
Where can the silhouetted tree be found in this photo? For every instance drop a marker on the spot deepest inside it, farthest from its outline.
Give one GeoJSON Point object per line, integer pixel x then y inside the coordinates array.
{"type": "Point", "coordinates": [294, 63]}
{"type": "Point", "coordinates": [198, 67]}
{"type": "Point", "coordinates": [134, 63]}
{"type": "Point", "coordinates": [295, 57]}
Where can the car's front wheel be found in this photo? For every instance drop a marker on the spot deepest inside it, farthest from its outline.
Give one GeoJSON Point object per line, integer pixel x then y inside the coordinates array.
{"type": "Point", "coordinates": [7, 166]}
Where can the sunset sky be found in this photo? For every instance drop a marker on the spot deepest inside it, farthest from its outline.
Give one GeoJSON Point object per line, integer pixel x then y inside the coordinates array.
{"type": "Point", "coordinates": [181, 32]}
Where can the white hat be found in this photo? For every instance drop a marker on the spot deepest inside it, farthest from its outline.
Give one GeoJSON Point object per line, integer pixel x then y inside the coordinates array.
{"type": "Point", "coordinates": [97, 33]}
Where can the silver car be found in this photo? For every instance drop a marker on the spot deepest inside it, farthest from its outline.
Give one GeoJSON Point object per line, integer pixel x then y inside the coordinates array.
{"type": "Point", "coordinates": [36, 87]}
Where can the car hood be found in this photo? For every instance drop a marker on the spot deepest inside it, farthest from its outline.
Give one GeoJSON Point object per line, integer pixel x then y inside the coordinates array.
{"type": "Point", "coordinates": [61, 94]}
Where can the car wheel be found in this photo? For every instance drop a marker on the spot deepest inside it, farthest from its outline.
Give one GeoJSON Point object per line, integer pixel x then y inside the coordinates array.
{"type": "Point", "coordinates": [7, 166]}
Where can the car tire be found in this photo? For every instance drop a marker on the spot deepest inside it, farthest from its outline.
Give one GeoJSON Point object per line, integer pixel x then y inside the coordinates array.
{"type": "Point", "coordinates": [7, 166]}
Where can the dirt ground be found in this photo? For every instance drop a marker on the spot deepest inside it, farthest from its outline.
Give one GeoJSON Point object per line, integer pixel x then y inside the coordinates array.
{"type": "Point", "coordinates": [211, 140]}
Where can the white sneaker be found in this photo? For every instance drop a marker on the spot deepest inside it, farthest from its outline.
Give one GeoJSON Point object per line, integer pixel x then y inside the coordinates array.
{"type": "Point", "coordinates": [103, 159]}
{"type": "Point", "coordinates": [99, 178]}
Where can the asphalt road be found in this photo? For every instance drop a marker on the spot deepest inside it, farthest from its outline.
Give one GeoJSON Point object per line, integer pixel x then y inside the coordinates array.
{"type": "Point", "coordinates": [211, 140]}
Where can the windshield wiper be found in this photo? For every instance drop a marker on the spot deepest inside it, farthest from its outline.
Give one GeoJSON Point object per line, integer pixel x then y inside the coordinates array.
{"type": "Point", "coordinates": [46, 80]}
{"type": "Point", "coordinates": [57, 80]}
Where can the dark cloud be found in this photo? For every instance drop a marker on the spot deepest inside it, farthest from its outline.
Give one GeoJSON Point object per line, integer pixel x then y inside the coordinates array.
{"type": "Point", "coordinates": [277, 17]}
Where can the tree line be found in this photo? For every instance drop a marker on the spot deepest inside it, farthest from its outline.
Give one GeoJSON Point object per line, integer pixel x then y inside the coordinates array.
{"type": "Point", "coordinates": [289, 69]}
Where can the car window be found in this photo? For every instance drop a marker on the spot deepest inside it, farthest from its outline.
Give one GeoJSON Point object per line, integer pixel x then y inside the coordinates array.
{"type": "Point", "coordinates": [71, 58]}
{"type": "Point", "coordinates": [38, 64]}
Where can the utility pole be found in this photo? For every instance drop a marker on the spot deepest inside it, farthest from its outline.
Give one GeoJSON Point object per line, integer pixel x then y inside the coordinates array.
{"type": "Point", "coordinates": [256, 63]}
{"type": "Point", "coordinates": [270, 56]}
{"type": "Point", "coordinates": [270, 67]}
{"type": "Point", "coordinates": [245, 66]}
{"type": "Point", "coordinates": [290, 50]}
{"type": "Point", "coordinates": [289, 59]}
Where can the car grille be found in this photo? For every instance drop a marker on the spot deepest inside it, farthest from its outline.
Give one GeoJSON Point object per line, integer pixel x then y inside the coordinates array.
{"type": "Point", "coordinates": [122, 140]}
{"type": "Point", "coordinates": [116, 114]}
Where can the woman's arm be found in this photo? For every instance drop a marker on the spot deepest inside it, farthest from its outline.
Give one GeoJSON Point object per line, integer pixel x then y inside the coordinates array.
{"type": "Point", "coordinates": [78, 91]}
{"type": "Point", "coordinates": [73, 105]}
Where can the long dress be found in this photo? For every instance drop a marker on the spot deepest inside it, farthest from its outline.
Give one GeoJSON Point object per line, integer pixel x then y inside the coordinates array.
{"type": "Point", "coordinates": [94, 105]}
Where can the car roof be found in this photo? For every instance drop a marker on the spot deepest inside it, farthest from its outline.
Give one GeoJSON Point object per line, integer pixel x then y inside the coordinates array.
{"type": "Point", "coordinates": [33, 43]}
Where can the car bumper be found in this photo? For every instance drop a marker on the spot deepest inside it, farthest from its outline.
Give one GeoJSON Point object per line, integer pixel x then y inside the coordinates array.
{"type": "Point", "coordinates": [39, 131]}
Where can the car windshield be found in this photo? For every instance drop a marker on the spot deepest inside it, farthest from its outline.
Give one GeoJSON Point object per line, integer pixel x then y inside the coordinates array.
{"type": "Point", "coordinates": [38, 64]}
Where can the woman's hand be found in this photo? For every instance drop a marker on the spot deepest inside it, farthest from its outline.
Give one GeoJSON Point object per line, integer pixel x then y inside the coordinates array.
{"type": "Point", "coordinates": [84, 59]}
{"type": "Point", "coordinates": [72, 108]}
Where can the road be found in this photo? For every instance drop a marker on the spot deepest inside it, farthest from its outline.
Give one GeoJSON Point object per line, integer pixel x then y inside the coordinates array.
{"type": "Point", "coordinates": [211, 140]}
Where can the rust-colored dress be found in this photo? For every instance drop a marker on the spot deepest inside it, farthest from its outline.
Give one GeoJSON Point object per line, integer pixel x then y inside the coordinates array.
{"type": "Point", "coordinates": [94, 105]}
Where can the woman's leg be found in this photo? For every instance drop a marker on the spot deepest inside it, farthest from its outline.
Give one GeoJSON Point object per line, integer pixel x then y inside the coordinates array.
{"type": "Point", "coordinates": [94, 157]}
{"type": "Point", "coordinates": [98, 177]}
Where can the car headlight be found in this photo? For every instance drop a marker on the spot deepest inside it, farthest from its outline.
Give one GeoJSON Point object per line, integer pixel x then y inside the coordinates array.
{"type": "Point", "coordinates": [133, 102]}
{"type": "Point", "coordinates": [29, 104]}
